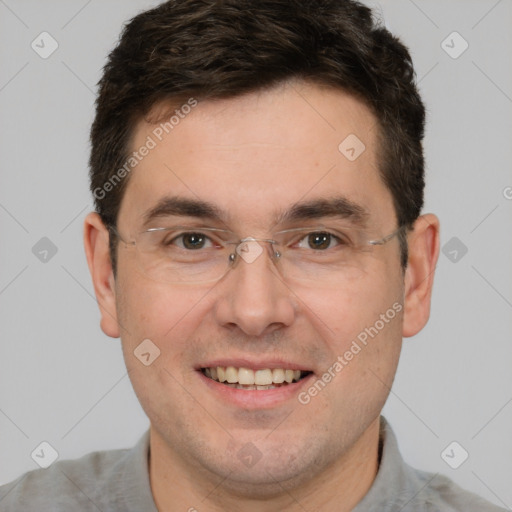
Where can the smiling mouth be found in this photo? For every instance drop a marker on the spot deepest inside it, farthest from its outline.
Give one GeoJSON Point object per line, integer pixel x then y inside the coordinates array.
{"type": "Point", "coordinates": [246, 378]}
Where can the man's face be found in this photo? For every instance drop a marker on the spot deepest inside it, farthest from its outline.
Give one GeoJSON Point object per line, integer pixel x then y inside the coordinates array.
{"type": "Point", "coordinates": [255, 157]}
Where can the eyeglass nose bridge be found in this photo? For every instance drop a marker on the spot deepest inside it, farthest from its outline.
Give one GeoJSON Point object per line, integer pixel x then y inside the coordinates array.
{"type": "Point", "coordinates": [249, 250]}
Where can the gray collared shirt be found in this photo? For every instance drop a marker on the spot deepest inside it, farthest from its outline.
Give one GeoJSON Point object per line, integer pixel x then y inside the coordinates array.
{"type": "Point", "coordinates": [118, 481]}
{"type": "Point", "coordinates": [400, 488]}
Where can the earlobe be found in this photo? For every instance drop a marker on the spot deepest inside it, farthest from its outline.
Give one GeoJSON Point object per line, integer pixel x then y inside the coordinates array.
{"type": "Point", "coordinates": [423, 244]}
{"type": "Point", "coordinates": [96, 244]}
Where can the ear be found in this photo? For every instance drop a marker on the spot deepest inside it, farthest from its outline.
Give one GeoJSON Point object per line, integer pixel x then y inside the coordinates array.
{"type": "Point", "coordinates": [96, 242]}
{"type": "Point", "coordinates": [423, 243]}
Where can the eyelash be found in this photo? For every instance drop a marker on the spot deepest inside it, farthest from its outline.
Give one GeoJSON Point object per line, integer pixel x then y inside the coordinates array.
{"type": "Point", "coordinates": [184, 234]}
{"type": "Point", "coordinates": [337, 239]}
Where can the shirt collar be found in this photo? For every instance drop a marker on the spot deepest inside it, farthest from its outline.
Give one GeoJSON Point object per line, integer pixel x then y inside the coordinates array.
{"type": "Point", "coordinates": [396, 485]}
{"type": "Point", "coordinates": [135, 488]}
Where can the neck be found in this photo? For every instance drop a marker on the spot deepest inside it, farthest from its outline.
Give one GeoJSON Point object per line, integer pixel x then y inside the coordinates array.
{"type": "Point", "coordinates": [178, 485]}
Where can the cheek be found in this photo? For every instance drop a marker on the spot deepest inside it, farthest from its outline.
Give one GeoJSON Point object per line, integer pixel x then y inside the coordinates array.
{"type": "Point", "coordinates": [159, 312]}
{"type": "Point", "coordinates": [361, 331]}
{"type": "Point", "coordinates": [167, 316]}
{"type": "Point", "coordinates": [342, 314]}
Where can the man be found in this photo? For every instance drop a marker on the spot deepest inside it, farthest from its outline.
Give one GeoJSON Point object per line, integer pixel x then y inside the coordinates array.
{"type": "Point", "coordinates": [258, 247]}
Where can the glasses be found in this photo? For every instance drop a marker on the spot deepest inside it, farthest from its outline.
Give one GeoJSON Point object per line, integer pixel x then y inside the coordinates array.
{"type": "Point", "coordinates": [320, 255]}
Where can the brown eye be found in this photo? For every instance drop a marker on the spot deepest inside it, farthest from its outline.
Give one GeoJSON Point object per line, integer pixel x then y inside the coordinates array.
{"type": "Point", "coordinates": [190, 241]}
{"type": "Point", "coordinates": [319, 240]}
{"type": "Point", "coordinates": [194, 240]}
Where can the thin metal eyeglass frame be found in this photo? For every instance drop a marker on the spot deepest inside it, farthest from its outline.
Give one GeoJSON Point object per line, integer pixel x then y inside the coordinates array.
{"type": "Point", "coordinates": [232, 258]}
{"type": "Point", "coordinates": [379, 241]}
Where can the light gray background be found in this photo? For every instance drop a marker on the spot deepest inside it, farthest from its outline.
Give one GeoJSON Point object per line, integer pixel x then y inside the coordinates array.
{"type": "Point", "coordinates": [63, 381]}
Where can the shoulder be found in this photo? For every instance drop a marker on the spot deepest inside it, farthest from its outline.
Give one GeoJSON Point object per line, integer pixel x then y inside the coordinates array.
{"type": "Point", "coordinates": [399, 486]}
{"type": "Point", "coordinates": [440, 494]}
{"type": "Point", "coordinates": [80, 484]}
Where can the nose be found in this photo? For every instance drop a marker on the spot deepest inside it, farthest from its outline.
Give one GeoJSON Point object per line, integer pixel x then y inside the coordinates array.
{"type": "Point", "coordinates": [252, 295]}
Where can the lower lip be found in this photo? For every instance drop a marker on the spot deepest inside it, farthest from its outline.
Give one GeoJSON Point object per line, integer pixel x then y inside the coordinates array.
{"type": "Point", "coordinates": [254, 398]}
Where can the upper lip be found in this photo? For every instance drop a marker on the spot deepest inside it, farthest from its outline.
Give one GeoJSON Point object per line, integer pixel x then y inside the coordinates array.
{"type": "Point", "coordinates": [255, 365]}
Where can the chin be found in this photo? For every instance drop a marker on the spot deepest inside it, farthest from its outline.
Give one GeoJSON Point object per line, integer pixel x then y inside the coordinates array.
{"type": "Point", "coordinates": [266, 469]}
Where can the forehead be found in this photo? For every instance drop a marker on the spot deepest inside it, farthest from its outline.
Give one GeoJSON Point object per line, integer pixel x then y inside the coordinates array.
{"type": "Point", "coordinates": [254, 155]}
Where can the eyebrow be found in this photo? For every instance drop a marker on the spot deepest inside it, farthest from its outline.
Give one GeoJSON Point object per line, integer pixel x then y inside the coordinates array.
{"type": "Point", "coordinates": [183, 207]}
{"type": "Point", "coordinates": [335, 207]}
{"type": "Point", "coordinates": [338, 207]}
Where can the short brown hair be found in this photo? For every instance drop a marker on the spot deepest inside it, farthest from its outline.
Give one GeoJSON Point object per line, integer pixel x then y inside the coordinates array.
{"type": "Point", "coordinates": [210, 49]}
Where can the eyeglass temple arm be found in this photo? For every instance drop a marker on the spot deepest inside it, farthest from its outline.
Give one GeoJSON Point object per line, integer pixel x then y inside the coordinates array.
{"type": "Point", "coordinates": [387, 238]}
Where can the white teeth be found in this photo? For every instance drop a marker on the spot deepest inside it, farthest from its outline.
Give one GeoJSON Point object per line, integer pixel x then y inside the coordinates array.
{"type": "Point", "coordinates": [231, 374]}
{"type": "Point", "coordinates": [278, 375]}
{"type": "Point", "coordinates": [246, 378]}
{"type": "Point", "coordinates": [263, 377]}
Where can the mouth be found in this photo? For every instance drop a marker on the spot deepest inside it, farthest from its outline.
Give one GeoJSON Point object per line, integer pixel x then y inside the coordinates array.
{"type": "Point", "coordinates": [250, 380]}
